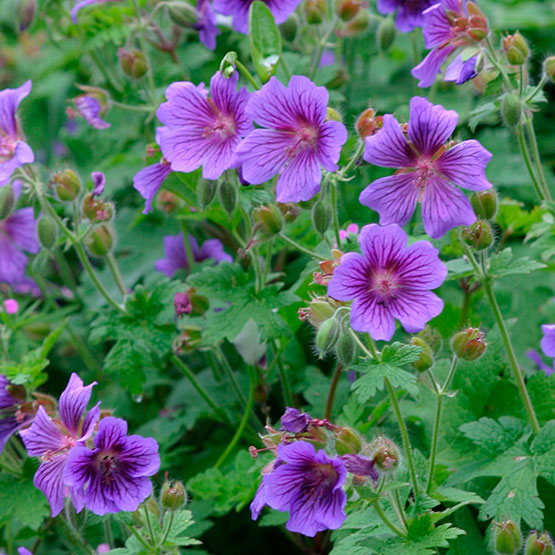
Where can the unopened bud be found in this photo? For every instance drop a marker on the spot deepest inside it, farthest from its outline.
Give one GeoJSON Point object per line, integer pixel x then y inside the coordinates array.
{"type": "Point", "coordinates": [321, 216]}
{"type": "Point", "coordinates": [182, 14]}
{"type": "Point", "coordinates": [290, 27]}
{"type": "Point", "coordinates": [506, 538]}
{"type": "Point", "coordinates": [346, 349]}
{"type": "Point", "coordinates": [320, 310]}
{"type": "Point", "coordinates": [17, 391]}
{"type": "Point", "coordinates": [315, 11]}
{"type": "Point", "coordinates": [67, 185]}
{"type": "Point", "coordinates": [228, 196]}
{"type": "Point", "coordinates": [290, 211]}
{"type": "Point", "coordinates": [478, 236]}
{"type": "Point", "coordinates": [469, 344]}
{"type": "Point", "coordinates": [549, 67]}
{"type": "Point", "coordinates": [347, 9]}
{"type": "Point", "coordinates": [25, 12]}
{"type": "Point", "coordinates": [384, 453]}
{"type": "Point", "coordinates": [182, 304]}
{"type": "Point", "coordinates": [432, 337]}
{"type": "Point", "coordinates": [97, 210]}
{"type": "Point", "coordinates": [270, 217]}
{"type": "Point", "coordinates": [477, 22]}
{"type": "Point", "coordinates": [327, 336]}
{"type": "Point", "coordinates": [100, 240]}
{"type": "Point", "coordinates": [132, 62]}
{"type": "Point", "coordinates": [511, 109]}
{"type": "Point", "coordinates": [206, 189]}
{"type": "Point", "coordinates": [539, 544]}
{"type": "Point", "coordinates": [47, 231]}
{"type": "Point", "coordinates": [356, 26]}
{"type": "Point", "coordinates": [368, 123]}
{"type": "Point", "coordinates": [347, 440]}
{"type": "Point", "coordinates": [7, 201]}
{"type": "Point", "coordinates": [484, 203]}
{"type": "Point", "coordinates": [385, 35]}
{"type": "Point", "coordinates": [173, 495]}
{"type": "Point", "coordinates": [516, 49]}
{"type": "Point", "coordinates": [426, 359]}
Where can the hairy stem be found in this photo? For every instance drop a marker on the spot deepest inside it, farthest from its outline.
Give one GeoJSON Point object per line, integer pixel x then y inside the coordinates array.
{"type": "Point", "coordinates": [333, 388]}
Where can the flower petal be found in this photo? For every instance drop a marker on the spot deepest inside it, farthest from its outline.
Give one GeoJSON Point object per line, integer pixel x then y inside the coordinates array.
{"type": "Point", "coordinates": [21, 226]}
{"type": "Point", "coordinates": [430, 66]}
{"type": "Point", "coordinates": [43, 436]}
{"type": "Point", "coordinates": [148, 182]}
{"type": "Point", "coordinates": [73, 402]}
{"type": "Point", "coordinates": [333, 135]}
{"type": "Point", "coordinates": [350, 278]}
{"type": "Point", "coordinates": [49, 478]}
{"type": "Point", "coordinates": [140, 457]}
{"type": "Point", "coordinates": [414, 308]}
{"type": "Point", "coordinates": [301, 178]}
{"type": "Point", "coordinates": [548, 341]}
{"type": "Point", "coordinates": [9, 102]}
{"type": "Point", "coordinates": [12, 262]}
{"type": "Point", "coordinates": [369, 315]}
{"type": "Point", "coordinates": [421, 267]}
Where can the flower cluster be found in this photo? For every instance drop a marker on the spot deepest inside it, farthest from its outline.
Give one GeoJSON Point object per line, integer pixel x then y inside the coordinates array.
{"type": "Point", "coordinates": [111, 475]}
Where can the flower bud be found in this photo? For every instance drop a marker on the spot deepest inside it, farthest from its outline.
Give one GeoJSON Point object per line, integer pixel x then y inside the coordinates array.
{"type": "Point", "coordinates": [347, 440]}
{"type": "Point", "coordinates": [290, 27]}
{"type": "Point", "coordinates": [484, 203]}
{"type": "Point", "coordinates": [368, 123]}
{"type": "Point", "coordinates": [290, 211]}
{"type": "Point", "coordinates": [346, 349]}
{"type": "Point", "coordinates": [320, 310]}
{"type": "Point", "coordinates": [182, 304]}
{"type": "Point", "coordinates": [549, 67]}
{"type": "Point", "coordinates": [516, 49]}
{"type": "Point", "coordinates": [182, 14]}
{"type": "Point", "coordinates": [17, 391]}
{"type": "Point", "coordinates": [432, 337]}
{"type": "Point", "coordinates": [426, 359]}
{"type": "Point", "coordinates": [384, 453]}
{"type": "Point", "coordinates": [7, 201]}
{"type": "Point", "coordinates": [321, 216]}
{"type": "Point", "coordinates": [333, 115]}
{"type": "Point", "coordinates": [67, 185]}
{"type": "Point", "coordinates": [347, 9]}
{"type": "Point", "coordinates": [506, 538]}
{"type": "Point", "coordinates": [315, 11]}
{"type": "Point", "coordinates": [270, 217]}
{"type": "Point", "coordinates": [477, 22]}
{"type": "Point", "coordinates": [100, 240]}
{"type": "Point", "coordinates": [511, 109]}
{"type": "Point", "coordinates": [228, 196]}
{"type": "Point", "coordinates": [132, 62]}
{"type": "Point", "coordinates": [385, 35]}
{"type": "Point", "coordinates": [356, 26]}
{"type": "Point", "coordinates": [327, 336]}
{"type": "Point", "coordinates": [173, 495]}
{"type": "Point", "coordinates": [97, 210]}
{"type": "Point", "coordinates": [478, 236]}
{"type": "Point", "coordinates": [206, 189]}
{"type": "Point", "coordinates": [539, 544]}
{"type": "Point", "coordinates": [25, 12]}
{"type": "Point", "coordinates": [47, 231]}
{"type": "Point", "coordinates": [469, 344]}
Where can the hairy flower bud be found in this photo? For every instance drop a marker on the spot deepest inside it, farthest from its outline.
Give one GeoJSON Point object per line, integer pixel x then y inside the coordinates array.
{"type": "Point", "coordinates": [321, 216]}
{"type": "Point", "coordinates": [347, 440]}
{"type": "Point", "coordinates": [67, 185]}
{"type": "Point", "coordinates": [346, 348]}
{"type": "Point", "coordinates": [228, 196]}
{"type": "Point", "coordinates": [477, 27]}
{"type": "Point", "coordinates": [206, 189]}
{"type": "Point", "coordinates": [539, 544]}
{"type": "Point", "coordinates": [385, 35]}
{"type": "Point", "coordinates": [516, 49]}
{"type": "Point", "coordinates": [7, 201]}
{"type": "Point", "coordinates": [290, 211]}
{"type": "Point", "coordinates": [173, 495]}
{"type": "Point", "coordinates": [368, 123]}
{"type": "Point", "coordinates": [549, 68]}
{"type": "Point", "coordinates": [479, 235]}
{"type": "Point", "coordinates": [511, 109]}
{"type": "Point", "coordinates": [319, 311]}
{"type": "Point", "coordinates": [327, 336]}
{"type": "Point", "coordinates": [347, 9]}
{"type": "Point", "coordinates": [469, 344]}
{"type": "Point", "coordinates": [432, 337]}
{"type": "Point", "coordinates": [290, 27]}
{"type": "Point", "coordinates": [315, 11]}
{"type": "Point", "coordinates": [426, 359]}
{"type": "Point", "coordinates": [484, 203]}
{"type": "Point", "coordinates": [97, 210]}
{"type": "Point", "coordinates": [132, 62]}
{"type": "Point", "coordinates": [100, 240]}
{"type": "Point", "coordinates": [182, 14]}
{"type": "Point", "coordinates": [384, 453]}
{"type": "Point", "coordinates": [47, 231]}
{"type": "Point", "coordinates": [270, 217]}
{"type": "Point", "coordinates": [507, 538]}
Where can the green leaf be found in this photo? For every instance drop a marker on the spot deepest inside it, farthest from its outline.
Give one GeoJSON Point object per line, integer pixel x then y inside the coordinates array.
{"type": "Point", "coordinates": [494, 437]}
{"type": "Point", "coordinates": [543, 447]}
{"type": "Point", "coordinates": [265, 40]}
{"type": "Point", "coordinates": [501, 264]}
{"type": "Point", "coordinates": [458, 268]}
{"type": "Point", "coordinates": [487, 112]}
{"type": "Point", "coordinates": [22, 501]}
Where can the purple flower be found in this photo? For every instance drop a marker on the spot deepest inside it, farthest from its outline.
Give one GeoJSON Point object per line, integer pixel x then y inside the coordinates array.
{"type": "Point", "coordinates": [239, 9]}
{"type": "Point", "coordinates": [308, 485]}
{"type": "Point", "coordinates": [389, 281]}
{"type": "Point", "coordinates": [448, 27]}
{"type": "Point", "coordinates": [429, 170]}
{"type": "Point", "coordinates": [91, 109]}
{"type": "Point", "coordinates": [361, 466]}
{"type": "Point", "coordinates": [23, 551]}
{"type": "Point", "coordinates": [409, 13]}
{"type": "Point", "coordinates": [536, 358]}
{"type": "Point", "coordinates": [176, 257]}
{"type": "Point", "coordinates": [296, 140]}
{"type": "Point", "coordinates": [14, 152]}
{"type": "Point", "coordinates": [115, 474]}
{"type": "Point", "coordinates": [84, 3]}
{"type": "Point", "coordinates": [548, 341]}
{"type": "Point", "coordinates": [203, 131]}
{"type": "Point", "coordinates": [294, 421]}
{"type": "Point", "coordinates": [99, 181]}
{"type": "Point", "coordinates": [206, 25]}
{"type": "Point", "coordinates": [18, 233]}
{"type": "Point", "coordinates": [149, 180]}
{"type": "Point", "coordinates": [352, 229]}
{"type": "Point", "coordinates": [12, 420]}
{"type": "Point", "coordinates": [53, 441]}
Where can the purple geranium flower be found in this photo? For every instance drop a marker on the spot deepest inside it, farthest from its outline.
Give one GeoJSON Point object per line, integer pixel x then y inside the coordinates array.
{"type": "Point", "coordinates": [11, 419]}
{"type": "Point", "coordinates": [53, 441]}
{"type": "Point", "coordinates": [206, 25]}
{"type": "Point", "coordinates": [176, 257]}
{"type": "Point", "coordinates": [429, 170]}
{"type": "Point", "coordinates": [536, 358]}
{"type": "Point", "coordinates": [361, 466]}
{"type": "Point", "coordinates": [451, 25]}
{"type": "Point", "coordinates": [409, 15]}
{"type": "Point", "coordinates": [308, 485]}
{"type": "Point", "coordinates": [99, 182]}
{"type": "Point", "coordinates": [295, 421]}
{"type": "Point", "coordinates": [14, 152]}
{"type": "Point", "coordinates": [203, 131]}
{"type": "Point", "coordinates": [296, 140]}
{"type": "Point", "coordinates": [84, 3]}
{"type": "Point", "coordinates": [115, 474]}
{"type": "Point", "coordinates": [389, 281]}
{"type": "Point", "coordinates": [18, 233]}
{"type": "Point", "coordinates": [149, 180]}
{"type": "Point", "coordinates": [91, 109]}
{"type": "Point", "coordinates": [239, 9]}
{"type": "Point", "coordinates": [22, 551]}
{"type": "Point", "coordinates": [548, 341]}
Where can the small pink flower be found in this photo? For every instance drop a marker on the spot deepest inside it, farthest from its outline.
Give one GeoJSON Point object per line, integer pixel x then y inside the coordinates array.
{"type": "Point", "coordinates": [11, 306]}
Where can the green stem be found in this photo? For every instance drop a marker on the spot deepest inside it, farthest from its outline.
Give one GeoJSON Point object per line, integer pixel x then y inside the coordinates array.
{"type": "Point", "coordinates": [131, 108]}
{"type": "Point", "coordinates": [401, 513]}
{"type": "Point", "coordinates": [300, 247]}
{"type": "Point", "coordinates": [352, 161]}
{"type": "Point", "coordinates": [144, 48]}
{"type": "Point", "coordinates": [149, 524]}
{"type": "Point", "coordinates": [404, 435]}
{"type": "Point", "coordinates": [141, 540]}
{"type": "Point", "coordinates": [386, 521]}
{"type": "Point", "coordinates": [66, 274]}
{"type": "Point", "coordinates": [511, 356]}
{"type": "Point", "coordinates": [187, 244]}
{"type": "Point", "coordinates": [538, 88]}
{"type": "Point", "coordinates": [118, 278]}
{"type": "Point", "coordinates": [537, 158]}
{"type": "Point", "coordinates": [335, 211]}
{"type": "Point", "coordinates": [333, 388]}
{"type": "Point", "coordinates": [320, 49]}
{"type": "Point", "coordinates": [285, 68]}
{"type": "Point", "coordinates": [285, 385]}
{"type": "Point", "coordinates": [526, 156]}
{"type": "Point", "coordinates": [247, 74]}
{"type": "Point", "coordinates": [492, 54]}
{"type": "Point", "coordinates": [167, 531]}
{"type": "Point", "coordinates": [244, 419]}
{"type": "Point", "coordinates": [220, 356]}
{"type": "Point", "coordinates": [102, 68]}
